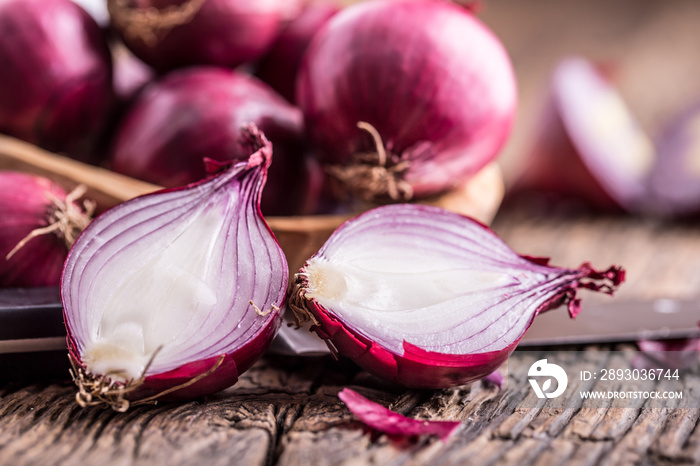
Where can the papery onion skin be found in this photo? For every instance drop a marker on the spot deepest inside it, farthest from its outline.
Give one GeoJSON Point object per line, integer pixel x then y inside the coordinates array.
{"type": "Point", "coordinates": [55, 84]}
{"type": "Point", "coordinates": [435, 83]}
{"type": "Point", "coordinates": [196, 113]}
{"type": "Point", "coordinates": [280, 66]}
{"type": "Point", "coordinates": [26, 205]}
{"type": "Point", "coordinates": [417, 367]}
{"type": "Point", "coordinates": [199, 32]}
{"type": "Point", "coordinates": [203, 373]}
{"type": "Point", "coordinates": [391, 423]}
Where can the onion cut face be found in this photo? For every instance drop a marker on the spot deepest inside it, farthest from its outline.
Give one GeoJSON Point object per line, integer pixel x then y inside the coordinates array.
{"type": "Point", "coordinates": [432, 87]}
{"type": "Point", "coordinates": [589, 145]}
{"type": "Point", "coordinates": [174, 294]}
{"type": "Point", "coordinates": [674, 183]}
{"type": "Point", "coordinates": [428, 298]}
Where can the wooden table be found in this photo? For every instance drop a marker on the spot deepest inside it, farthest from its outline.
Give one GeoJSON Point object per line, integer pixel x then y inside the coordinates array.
{"type": "Point", "coordinates": [285, 410]}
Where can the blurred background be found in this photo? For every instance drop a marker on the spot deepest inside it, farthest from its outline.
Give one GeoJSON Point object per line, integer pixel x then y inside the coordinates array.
{"type": "Point", "coordinates": [651, 49]}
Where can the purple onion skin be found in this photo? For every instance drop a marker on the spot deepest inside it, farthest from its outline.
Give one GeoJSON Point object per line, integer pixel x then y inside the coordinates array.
{"type": "Point", "coordinates": [391, 423]}
{"type": "Point", "coordinates": [223, 32]}
{"type": "Point", "coordinates": [55, 84]}
{"type": "Point", "coordinates": [435, 83]}
{"type": "Point", "coordinates": [416, 368]}
{"type": "Point", "coordinates": [196, 113]}
{"type": "Point", "coordinates": [24, 206]}
{"type": "Point", "coordinates": [422, 369]}
{"type": "Point", "coordinates": [280, 66]}
{"type": "Point", "coordinates": [225, 375]}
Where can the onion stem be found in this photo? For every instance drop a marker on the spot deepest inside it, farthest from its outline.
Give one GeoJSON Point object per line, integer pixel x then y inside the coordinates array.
{"type": "Point", "coordinates": [370, 177]}
{"type": "Point", "coordinates": [378, 143]}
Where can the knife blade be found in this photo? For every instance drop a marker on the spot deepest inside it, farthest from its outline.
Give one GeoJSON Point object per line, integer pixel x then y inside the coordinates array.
{"type": "Point", "coordinates": [31, 320]}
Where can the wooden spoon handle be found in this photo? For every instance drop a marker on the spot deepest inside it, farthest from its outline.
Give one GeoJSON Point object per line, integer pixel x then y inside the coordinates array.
{"type": "Point", "coordinates": [104, 187]}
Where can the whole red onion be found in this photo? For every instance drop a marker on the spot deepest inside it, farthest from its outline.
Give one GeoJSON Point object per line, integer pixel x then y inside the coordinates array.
{"type": "Point", "coordinates": [55, 83]}
{"type": "Point", "coordinates": [197, 113]}
{"type": "Point", "coordinates": [167, 34]}
{"type": "Point", "coordinates": [434, 86]}
{"type": "Point", "coordinates": [279, 67]}
{"type": "Point", "coordinates": [38, 223]}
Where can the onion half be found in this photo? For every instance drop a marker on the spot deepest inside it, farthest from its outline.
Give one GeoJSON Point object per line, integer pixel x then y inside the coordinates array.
{"type": "Point", "coordinates": [427, 298]}
{"type": "Point", "coordinates": [172, 295]}
{"type": "Point", "coordinates": [589, 146]}
{"type": "Point", "coordinates": [432, 87]}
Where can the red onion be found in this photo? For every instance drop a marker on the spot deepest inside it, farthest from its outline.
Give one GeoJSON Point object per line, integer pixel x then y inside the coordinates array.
{"type": "Point", "coordinates": [172, 295]}
{"type": "Point", "coordinates": [196, 113]}
{"type": "Point", "coordinates": [394, 424]}
{"type": "Point", "coordinates": [38, 223]}
{"type": "Point", "coordinates": [168, 34]}
{"type": "Point", "coordinates": [430, 78]}
{"type": "Point", "coordinates": [589, 146]}
{"type": "Point", "coordinates": [674, 183]}
{"type": "Point", "coordinates": [280, 66]}
{"type": "Point", "coordinates": [427, 298]}
{"type": "Point", "coordinates": [55, 84]}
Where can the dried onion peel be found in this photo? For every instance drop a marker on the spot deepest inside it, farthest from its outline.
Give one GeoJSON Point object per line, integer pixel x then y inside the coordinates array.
{"type": "Point", "coordinates": [172, 295]}
{"type": "Point", "coordinates": [427, 298]}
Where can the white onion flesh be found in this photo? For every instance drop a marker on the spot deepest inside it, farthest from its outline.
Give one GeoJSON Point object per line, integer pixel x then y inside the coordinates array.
{"type": "Point", "coordinates": [444, 286]}
{"type": "Point", "coordinates": [179, 286]}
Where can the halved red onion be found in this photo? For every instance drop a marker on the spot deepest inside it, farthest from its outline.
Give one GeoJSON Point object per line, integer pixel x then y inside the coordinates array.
{"type": "Point", "coordinates": [55, 75]}
{"type": "Point", "coordinates": [427, 298]}
{"type": "Point", "coordinates": [174, 294]}
{"type": "Point", "coordinates": [39, 221]}
{"type": "Point", "coordinates": [168, 34]}
{"type": "Point", "coordinates": [675, 178]}
{"type": "Point", "coordinates": [195, 113]}
{"type": "Point", "coordinates": [394, 424]}
{"type": "Point", "coordinates": [432, 86]}
{"type": "Point", "coordinates": [589, 146]}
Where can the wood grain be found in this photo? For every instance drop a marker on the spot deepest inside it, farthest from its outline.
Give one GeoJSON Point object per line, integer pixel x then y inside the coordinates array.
{"type": "Point", "coordinates": [286, 411]}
